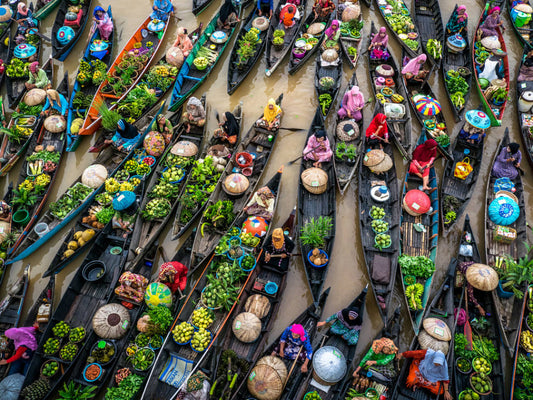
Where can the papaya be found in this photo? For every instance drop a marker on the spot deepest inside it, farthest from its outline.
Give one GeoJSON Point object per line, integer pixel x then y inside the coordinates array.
{"type": "Point", "coordinates": [81, 242]}
{"type": "Point", "coordinates": [77, 235]}
{"type": "Point", "coordinates": [87, 234]}
{"type": "Point", "coordinates": [72, 245]}
{"type": "Point", "coordinates": [68, 253]}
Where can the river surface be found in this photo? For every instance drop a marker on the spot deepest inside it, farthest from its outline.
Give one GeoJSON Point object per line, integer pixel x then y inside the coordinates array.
{"type": "Point", "coordinates": [347, 272]}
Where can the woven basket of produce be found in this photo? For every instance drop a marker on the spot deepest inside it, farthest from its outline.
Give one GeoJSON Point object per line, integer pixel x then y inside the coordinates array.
{"type": "Point", "coordinates": [246, 327]}
{"type": "Point", "coordinates": [316, 28]}
{"type": "Point", "coordinates": [55, 124]}
{"type": "Point", "coordinates": [437, 328]}
{"type": "Point", "coordinates": [482, 277]}
{"type": "Point", "coordinates": [257, 304]}
{"type": "Point", "coordinates": [384, 70]}
{"type": "Point", "coordinates": [315, 180]}
{"type": "Point", "coordinates": [428, 342]}
{"type": "Point", "coordinates": [184, 148]}
{"type": "Point", "coordinates": [261, 23]}
{"type": "Point", "coordinates": [235, 184]}
{"type": "Point", "coordinates": [94, 176]}
{"type": "Point", "coordinates": [267, 378]}
{"type": "Point", "coordinates": [416, 202]}
{"type": "Point", "coordinates": [34, 97]}
{"type": "Point", "coordinates": [351, 12]}
{"type": "Point", "coordinates": [111, 321]}
{"type": "Point", "coordinates": [347, 130]}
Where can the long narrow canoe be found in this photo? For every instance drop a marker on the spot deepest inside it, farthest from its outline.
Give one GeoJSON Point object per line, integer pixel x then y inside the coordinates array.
{"type": "Point", "coordinates": [61, 51]}
{"type": "Point", "coordinates": [507, 309]}
{"type": "Point", "coordinates": [521, 28]}
{"type": "Point", "coordinates": [111, 159]}
{"type": "Point", "coordinates": [200, 5]}
{"type": "Point", "coordinates": [190, 77]}
{"type": "Point", "coordinates": [423, 243]}
{"type": "Point", "coordinates": [43, 9]}
{"type": "Point", "coordinates": [349, 42]}
{"type": "Point", "coordinates": [46, 298]}
{"type": "Point", "coordinates": [93, 119]}
{"type": "Point", "coordinates": [295, 63]}
{"type": "Point", "coordinates": [428, 20]}
{"type": "Point", "coordinates": [314, 206]}
{"type": "Point", "coordinates": [457, 62]}
{"type": "Point", "coordinates": [327, 71]}
{"type": "Point", "coordinates": [88, 89]}
{"type": "Point", "coordinates": [526, 122]}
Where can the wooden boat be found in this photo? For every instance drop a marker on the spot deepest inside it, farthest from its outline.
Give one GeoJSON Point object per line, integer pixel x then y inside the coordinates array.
{"type": "Point", "coordinates": [295, 63]}
{"type": "Point", "coordinates": [190, 78]}
{"type": "Point", "coordinates": [308, 319]}
{"type": "Point", "coordinates": [404, 11]}
{"type": "Point", "coordinates": [441, 307]}
{"type": "Point", "coordinates": [147, 231]}
{"type": "Point", "coordinates": [452, 61]}
{"type": "Point", "coordinates": [341, 347]}
{"type": "Point", "coordinates": [455, 193]}
{"type": "Point", "coordinates": [521, 29]}
{"type": "Point", "coordinates": [313, 206]}
{"type": "Point", "coordinates": [428, 19]}
{"type": "Point", "coordinates": [329, 71]}
{"type": "Point", "coordinates": [238, 72]}
{"type": "Point", "coordinates": [523, 117]}
{"type": "Point", "coordinates": [348, 41]}
{"type": "Point", "coordinates": [383, 291]}
{"type": "Point", "coordinates": [200, 5]}
{"type": "Point", "coordinates": [11, 307]}
{"type": "Point", "coordinates": [399, 126]}
{"type": "Point", "coordinates": [5, 30]}
{"type": "Point", "coordinates": [45, 298]}
{"type": "Point", "coordinates": [110, 158]}
{"type": "Point", "coordinates": [43, 9]}
{"type": "Point", "coordinates": [495, 112]}
{"type": "Point", "coordinates": [489, 331]}
{"type": "Point", "coordinates": [11, 152]}
{"type": "Point", "coordinates": [188, 212]}
{"type": "Point", "coordinates": [61, 51]}
{"type": "Point", "coordinates": [418, 235]}
{"type": "Point", "coordinates": [93, 119]}
{"type": "Point", "coordinates": [275, 55]}
{"type": "Point", "coordinates": [89, 89]}
{"type": "Point", "coordinates": [45, 138]}
{"type": "Point", "coordinates": [507, 309]}
{"type": "Point", "coordinates": [80, 301]}
{"type": "Point", "coordinates": [429, 123]}
{"type": "Point", "coordinates": [346, 168]}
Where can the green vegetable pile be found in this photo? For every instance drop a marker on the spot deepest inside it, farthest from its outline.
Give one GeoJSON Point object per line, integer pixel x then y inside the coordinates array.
{"type": "Point", "coordinates": [218, 216]}
{"type": "Point", "coordinates": [249, 239]}
{"type": "Point", "coordinates": [312, 396]}
{"type": "Point", "coordinates": [37, 390]}
{"type": "Point", "coordinates": [481, 347]}
{"type": "Point", "coordinates": [457, 87]}
{"type": "Point", "coordinates": [45, 155]}
{"type": "Point", "coordinates": [434, 48]}
{"type": "Point", "coordinates": [61, 329]}
{"type": "Point", "coordinates": [143, 359]}
{"type": "Point", "coordinates": [126, 389]}
{"type": "Point", "coordinates": [77, 334]}
{"type": "Point", "coordinates": [105, 215]}
{"type": "Point", "coordinates": [142, 340]}
{"type": "Point", "coordinates": [70, 200]}
{"type": "Point", "coordinates": [51, 346]}
{"type": "Point", "coordinates": [344, 152]}
{"type": "Point", "coordinates": [17, 68]}
{"type": "Point", "coordinates": [325, 102]}
{"type": "Point", "coordinates": [156, 209]}
{"type": "Point", "coordinates": [50, 368]}
{"type": "Point", "coordinates": [68, 352]}
{"type": "Point", "coordinates": [443, 140]}
{"type": "Point", "coordinates": [524, 376]}
{"type": "Point", "coordinates": [419, 266]}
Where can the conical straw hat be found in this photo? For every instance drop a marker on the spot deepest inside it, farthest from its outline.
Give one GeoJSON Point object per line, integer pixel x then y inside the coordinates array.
{"type": "Point", "coordinates": [315, 180]}
{"type": "Point", "coordinates": [428, 342]}
{"type": "Point", "coordinates": [268, 378]}
{"type": "Point", "coordinates": [384, 165]}
{"type": "Point", "coordinates": [482, 277]}
{"type": "Point", "coordinates": [184, 148]}
{"type": "Point", "coordinates": [373, 157]}
{"type": "Point", "coordinates": [437, 328]}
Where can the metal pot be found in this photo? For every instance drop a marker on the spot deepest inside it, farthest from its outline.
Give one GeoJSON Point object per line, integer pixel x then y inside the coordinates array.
{"type": "Point", "coordinates": [329, 365]}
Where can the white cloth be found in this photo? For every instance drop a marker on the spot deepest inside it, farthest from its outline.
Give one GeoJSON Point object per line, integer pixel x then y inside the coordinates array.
{"type": "Point", "coordinates": [489, 70]}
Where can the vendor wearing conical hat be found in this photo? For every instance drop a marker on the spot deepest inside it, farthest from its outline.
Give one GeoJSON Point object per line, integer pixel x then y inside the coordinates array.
{"type": "Point", "coordinates": [380, 356]}
{"type": "Point", "coordinates": [463, 267]}
{"type": "Point", "coordinates": [277, 250]}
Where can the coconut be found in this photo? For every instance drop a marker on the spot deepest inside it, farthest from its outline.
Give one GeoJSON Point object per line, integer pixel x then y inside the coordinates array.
{"type": "Point", "coordinates": [34, 97]}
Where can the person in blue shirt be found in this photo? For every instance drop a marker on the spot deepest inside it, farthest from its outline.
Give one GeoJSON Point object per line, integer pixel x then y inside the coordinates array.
{"type": "Point", "coordinates": [126, 136]}
{"type": "Point", "coordinates": [162, 10]}
{"type": "Point", "coordinates": [292, 338]}
{"type": "Point", "coordinates": [265, 8]}
{"type": "Point", "coordinates": [55, 101]}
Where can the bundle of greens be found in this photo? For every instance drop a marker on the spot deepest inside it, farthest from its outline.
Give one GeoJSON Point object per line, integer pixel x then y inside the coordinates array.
{"type": "Point", "coordinates": [419, 266]}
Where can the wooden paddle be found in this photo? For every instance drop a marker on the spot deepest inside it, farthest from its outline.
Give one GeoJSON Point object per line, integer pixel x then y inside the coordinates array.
{"type": "Point", "coordinates": [303, 155]}
{"type": "Point", "coordinates": [292, 367]}
{"type": "Point", "coordinates": [468, 328]}
{"type": "Point", "coordinates": [279, 255]}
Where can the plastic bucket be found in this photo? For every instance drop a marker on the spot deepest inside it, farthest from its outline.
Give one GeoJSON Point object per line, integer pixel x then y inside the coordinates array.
{"type": "Point", "coordinates": [502, 292]}
{"type": "Point", "coordinates": [41, 229]}
{"type": "Point", "coordinates": [314, 265]}
{"type": "Point", "coordinates": [99, 375]}
{"type": "Point", "coordinates": [94, 271]}
{"type": "Point", "coordinates": [21, 217]}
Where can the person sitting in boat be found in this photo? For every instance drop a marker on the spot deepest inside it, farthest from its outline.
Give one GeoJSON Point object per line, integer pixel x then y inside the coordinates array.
{"type": "Point", "coordinates": [277, 250]}
{"type": "Point", "coordinates": [174, 275]}
{"type": "Point", "coordinates": [271, 117]}
{"type": "Point", "coordinates": [131, 287]}
{"type": "Point", "coordinates": [103, 22]}
{"type": "Point", "coordinates": [55, 101]}
{"type": "Point", "coordinates": [265, 8]}
{"type": "Point", "coordinates": [526, 69]}
{"type": "Point", "coordinates": [125, 206]}
{"type": "Point", "coordinates": [318, 149]}
{"type": "Point", "coordinates": [25, 344]}
{"type": "Point", "coordinates": [5, 219]}
{"type": "Point", "coordinates": [292, 339]}
{"type": "Point", "coordinates": [380, 357]}
{"type": "Point", "coordinates": [2, 112]}
{"type": "Point", "coordinates": [463, 267]}
{"type": "Point", "coordinates": [378, 45]}
{"type": "Point", "coordinates": [377, 132]}
{"type": "Point", "coordinates": [288, 15]}
{"type": "Point", "coordinates": [194, 113]}
{"type": "Point", "coordinates": [162, 10]}
{"type": "Point", "coordinates": [333, 32]}
{"type": "Point", "coordinates": [428, 370]}
{"type": "Point", "coordinates": [261, 204]}
{"type": "Point", "coordinates": [352, 104]}
{"type": "Point", "coordinates": [492, 69]}
{"type": "Point", "coordinates": [458, 21]}
{"type": "Point", "coordinates": [227, 16]}
{"type": "Point", "coordinates": [490, 26]}
{"type": "Point", "coordinates": [323, 9]}
{"type": "Point", "coordinates": [24, 18]}
{"type": "Point", "coordinates": [423, 158]}
{"type": "Point", "coordinates": [183, 42]}
{"type": "Point", "coordinates": [163, 126]}
{"type": "Point", "coordinates": [37, 78]}
{"type": "Point", "coordinates": [507, 163]}
{"type": "Point", "coordinates": [126, 136]}
{"type": "Point", "coordinates": [229, 129]}
{"type": "Point", "coordinates": [413, 70]}
{"type": "Point", "coordinates": [472, 134]}
{"type": "Point", "coordinates": [345, 323]}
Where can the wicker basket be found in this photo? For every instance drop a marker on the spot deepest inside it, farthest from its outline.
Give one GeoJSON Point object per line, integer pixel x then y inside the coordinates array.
{"type": "Point", "coordinates": [342, 135]}
{"type": "Point", "coordinates": [315, 180]}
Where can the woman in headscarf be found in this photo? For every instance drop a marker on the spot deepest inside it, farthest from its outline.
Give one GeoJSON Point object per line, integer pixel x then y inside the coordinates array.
{"type": "Point", "coordinates": [471, 133]}
{"type": "Point", "coordinates": [163, 126]}
{"type": "Point", "coordinates": [37, 78]}
{"type": "Point", "coordinates": [288, 14]}
{"type": "Point", "coordinates": [5, 219]}
{"type": "Point", "coordinates": [378, 45]}
{"type": "Point", "coordinates": [333, 32]}
{"type": "Point", "coordinates": [377, 132]}
{"type": "Point", "coordinates": [103, 22]}
{"type": "Point", "coordinates": [292, 338]}
{"type": "Point", "coordinates": [352, 104]}
{"type": "Point", "coordinates": [132, 287]}
{"type": "Point", "coordinates": [458, 21]}
{"type": "Point", "coordinates": [174, 275]}
{"type": "Point", "coordinates": [183, 42]}
{"type": "Point", "coordinates": [323, 9]}
{"type": "Point", "coordinates": [194, 113]}
{"type": "Point", "coordinates": [228, 15]}
{"type": "Point", "coordinates": [423, 158]}
{"type": "Point", "coordinates": [428, 370]}
{"type": "Point", "coordinates": [271, 116]}
{"type": "Point", "coordinates": [508, 162]}
{"type": "Point", "coordinates": [526, 69]}
{"type": "Point", "coordinates": [277, 250]}
{"type": "Point", "coordinates": [25, 344]}
{"type": "Point", "coordinates": [162, 10]}
{"type": "Point", "coordinates": [463, 267]}
{"type": "Point", "coordinates": [55, 101]}
{"type": "Point", "coordinates": [229, 129]}
{"type": "Point", "coordinates": [261, 204]}
{"type": "Point", "coordinates": [126, 136]}
{"type": "Point", "coordinates": [318, 148]}
{"type": "Point", "coordinates": [412, 70]}
{"type": "Point", "coordinates": [24, 18]}
{"type": "Point", "coordinates": [380, 357]}
{"type": "Point", "coordinates": [490, 26]}
{"type": "Point", "coordinates": [345, 323]}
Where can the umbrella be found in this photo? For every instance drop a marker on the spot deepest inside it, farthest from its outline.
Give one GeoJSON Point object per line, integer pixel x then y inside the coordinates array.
{"type": "Point", "coordinates": [478, 119]}
{"type": "Point", "coordinates": [5, 13]}
{"type": "Point", "coordinates": [427, 105]}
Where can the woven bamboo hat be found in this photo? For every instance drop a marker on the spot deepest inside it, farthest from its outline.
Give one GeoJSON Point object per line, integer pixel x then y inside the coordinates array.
{"type": "Point", "coordinates": [268, 378]}
{"type": "Point", "coordinates": [236, 184]}
{"type": "Point", "coordinates": [257, 304]}
{"type": "Point", "coordinates": [55, 123]}
{"type": "Point", "coordinates": [111, 321]}
{"type": "Point", "coordinates": [482, 277]}
{"type": "Point", "coordinates": [315, 180]}
{"type": "Point", "coordinates": [373, 158]}
{"type": "Point", "coordinates": [34, 96]}
{"type": "Point", "coordinates": [384, 165]}
{"type": "Point", "coordinates": [437, 328]}
{"type": "Point", "coordinates": [184, 148]}
{"type": "Point", "coordinates": [525, 8]}
{"type": "Point", "coordinates": [246, 327]}
{"type": "Point", "coordinates": [428, 342]}
{"type": "Point", "coordinates": [261, 23]}
{"type": "Point", "coordinates": [347, 130]}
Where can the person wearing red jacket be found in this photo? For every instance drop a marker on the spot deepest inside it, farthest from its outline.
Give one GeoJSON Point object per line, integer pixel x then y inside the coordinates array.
{"type": "Point", "coordinates": [174, 275]}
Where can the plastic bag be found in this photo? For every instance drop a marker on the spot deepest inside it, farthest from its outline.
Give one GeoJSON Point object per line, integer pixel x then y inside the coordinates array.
{"type": "Point", "coordinates": [466, 250]}
{"type": "Point", "coordinates": [10, 386]}
{"type": "Point", "coordinates": [202, 394]}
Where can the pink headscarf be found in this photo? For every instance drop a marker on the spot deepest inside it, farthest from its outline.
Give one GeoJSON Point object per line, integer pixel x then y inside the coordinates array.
{"type": "Point", "coordinates": [20, 8]}
{"type": "Point", "coordinates": [24, 336]}
{"type": "Point", "coordinates": [461, 17]}
{"type": "Point", "coordinates": [299, 330]}
{"type": "Point", "coordinates": [330, 32]}
{"type": "Point", "coordinates": [383, 40]}
{"type": "Point", "coordinates": [34, 67]}
{"type": "Point", "coordinates": [356, 98]}
{"type": "Point", "coordinates": [494, 9]}
{"type": "Point", "coordinates": [413, 66]}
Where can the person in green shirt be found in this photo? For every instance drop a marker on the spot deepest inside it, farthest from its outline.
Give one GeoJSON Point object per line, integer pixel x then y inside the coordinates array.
{"type": "Point", "coordinates": [37, 78]}
{"type": "Point", "coordinates": [345, 323]}
{"type": "Point", "coordinates": [380, 356]}
{"type": "Point", "coordinates": [164, 127]}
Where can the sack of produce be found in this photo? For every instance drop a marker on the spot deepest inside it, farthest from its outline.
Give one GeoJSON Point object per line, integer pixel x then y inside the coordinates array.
{"type": "Point", "coordinates": [94, 176]}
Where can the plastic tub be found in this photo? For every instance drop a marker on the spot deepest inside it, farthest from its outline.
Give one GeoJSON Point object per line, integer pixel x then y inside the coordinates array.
{"type": "Point", "coordinates": [94, 271]}
{"type": "Point", "coordinates": [271, 288]}
{"type": "Point", "coordinates": [313, 264]}
{"type": "Point", "coordinates": [41, 229]}
{"type": "Point", "coordinates": [21, 217]}
{"type": "Point", "coordinates": [99, 375]}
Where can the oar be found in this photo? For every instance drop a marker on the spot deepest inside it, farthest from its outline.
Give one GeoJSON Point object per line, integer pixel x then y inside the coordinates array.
{"type": "Point", "coordinates": [36, 30]}
{"type": "Point", "coordinates": [468, 328]}
{"type": "Point", "coordinates": [279, 255]}
{"type": "Point", "coordinates": [303, 155]}
{"type": "Point", "coordinates": [292, 129]}
{"type": "Point", "coordinates": [292, 367]}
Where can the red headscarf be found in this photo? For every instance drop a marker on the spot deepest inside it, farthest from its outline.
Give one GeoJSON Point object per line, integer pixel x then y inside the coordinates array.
{"type": "Point", "coordinates": [379, 120]}
{"type": "Point", "coordinates": [426, 151]}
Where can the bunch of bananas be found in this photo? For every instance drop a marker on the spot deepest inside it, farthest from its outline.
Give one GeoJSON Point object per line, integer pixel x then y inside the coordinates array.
{"type": "Point", "coordinates": [397, 98]}
{"type": "Point", "coordinates": [414, 296]}
{"type": "Point", "coordinates": [526, 340]}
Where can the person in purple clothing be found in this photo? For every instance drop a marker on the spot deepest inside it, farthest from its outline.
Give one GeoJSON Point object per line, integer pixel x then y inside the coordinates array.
{"type": "Point", "coordinates": [265, 8]}
{"type": "Point", "coordinates": [508, 162]}
{"type": "Point", "coordinates": [292, 338]}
